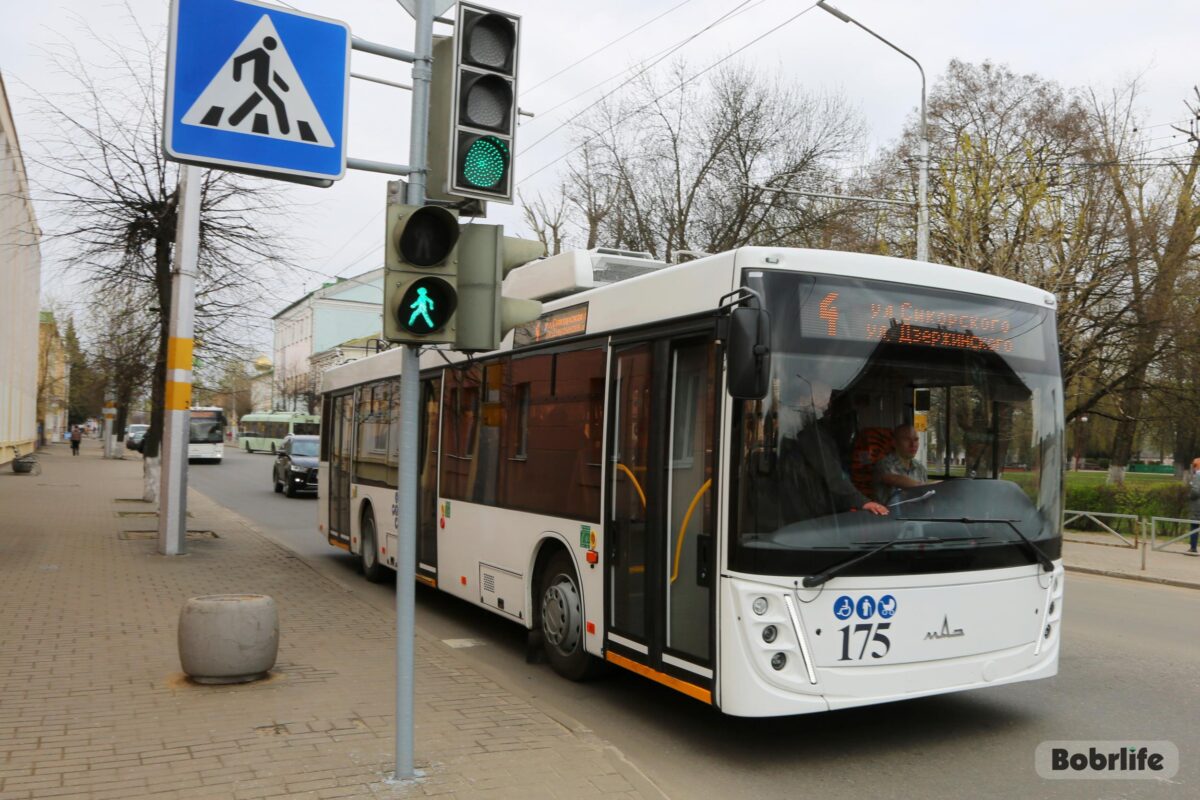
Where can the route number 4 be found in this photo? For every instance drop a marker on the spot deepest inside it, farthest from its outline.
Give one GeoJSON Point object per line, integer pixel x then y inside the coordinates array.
{"type": "Point", "coordinates": [870, 633]}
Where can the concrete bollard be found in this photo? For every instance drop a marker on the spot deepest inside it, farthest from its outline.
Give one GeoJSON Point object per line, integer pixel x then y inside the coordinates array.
{"type": "Point", "coordinates": [228, 638]}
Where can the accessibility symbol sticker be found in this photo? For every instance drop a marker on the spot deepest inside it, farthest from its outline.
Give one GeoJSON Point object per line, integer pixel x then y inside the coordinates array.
{"type": "Point", "coordinates": [843, 607]}
{"type": "Point", "coordinates": [258, 91]}
{"type": "Point", "coordinates": [257, 88]}
{"type": "Point", "coordinates": [866, 606]}
{"type": "Point", "coordinates": [887, 606]}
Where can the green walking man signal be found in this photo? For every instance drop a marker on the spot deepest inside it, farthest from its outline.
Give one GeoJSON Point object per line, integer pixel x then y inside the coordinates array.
{"type": "Point", "coordinates": [422, 305]}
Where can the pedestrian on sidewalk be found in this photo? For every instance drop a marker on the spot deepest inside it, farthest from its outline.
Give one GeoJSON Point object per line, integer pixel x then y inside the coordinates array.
{"type": "Point", "coordinates": [1194, 502]}
{"type": "Point", "coordinates": [76, 438]}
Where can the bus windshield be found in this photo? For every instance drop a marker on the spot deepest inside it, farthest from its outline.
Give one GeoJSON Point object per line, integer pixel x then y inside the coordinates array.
{"type": "Point", "coordinates": [959, 394]}
{"type": "Point", "coordinates": [207, 427]}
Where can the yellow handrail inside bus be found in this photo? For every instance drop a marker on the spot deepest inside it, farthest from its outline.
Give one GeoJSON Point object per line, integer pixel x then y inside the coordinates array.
{"type": "Point", "coordinates": [683, 528]}
{"type": "Point", "coordinates": [636, 485]}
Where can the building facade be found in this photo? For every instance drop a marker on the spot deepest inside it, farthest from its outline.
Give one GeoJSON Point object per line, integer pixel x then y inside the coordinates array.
{"type": "Point", "coordinates": [54, 380]}
{"type": "Point", "coordinates": [349, 309]}
{"type": "Point", "coordinates": [21, 277]}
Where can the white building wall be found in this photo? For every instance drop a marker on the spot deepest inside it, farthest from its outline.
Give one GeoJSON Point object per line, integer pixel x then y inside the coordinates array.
{"type": "Point", "coordinates": [345, 310]}
{"type": "Point", "coordinates": [21, 277]}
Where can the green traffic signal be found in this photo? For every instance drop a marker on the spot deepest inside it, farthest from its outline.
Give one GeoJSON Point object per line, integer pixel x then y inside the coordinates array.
{"type": "Point", "coordinates": [427, 305]}
{"type": "Point", "coordinates": [485, 162]}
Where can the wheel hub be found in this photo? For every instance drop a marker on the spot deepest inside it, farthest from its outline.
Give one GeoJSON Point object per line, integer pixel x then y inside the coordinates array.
{"type": "Point", "coordinates": [562, 621]}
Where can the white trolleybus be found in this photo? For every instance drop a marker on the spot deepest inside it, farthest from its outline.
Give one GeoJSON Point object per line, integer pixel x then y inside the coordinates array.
{"type": "Point", "coordinates": [676, 470]}
{"type": "Point", "coordinates": [206, 434]}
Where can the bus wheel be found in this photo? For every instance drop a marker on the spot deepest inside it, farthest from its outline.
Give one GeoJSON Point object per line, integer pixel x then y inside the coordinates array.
{"type": "Point", "coordinates": [247, 447]}
{"type": "Point", "coordinates": [372, 570]}
{"type": "Point", "coordinates": [272, 448]}
{"type": "Point", "coordinates": [561, 616]}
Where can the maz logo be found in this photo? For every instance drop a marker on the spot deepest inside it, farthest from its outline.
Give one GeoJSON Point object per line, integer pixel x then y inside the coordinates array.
{"type": "Point", "coordinates": [945, 632]}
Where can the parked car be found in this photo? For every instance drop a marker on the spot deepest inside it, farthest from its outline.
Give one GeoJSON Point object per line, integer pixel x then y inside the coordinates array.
{"type": "Point", "coordinates": [295, 468]}
{"type": "Point", "coordinates": [134, 436]}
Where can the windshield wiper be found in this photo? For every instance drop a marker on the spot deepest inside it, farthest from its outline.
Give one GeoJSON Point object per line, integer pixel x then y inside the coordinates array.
{"type": "Point", "coordinates": [925, 496]}
{"type": "Point", "coordinates": [823, 576]}
{"type": "Point", "coordinates": [1038, 556]}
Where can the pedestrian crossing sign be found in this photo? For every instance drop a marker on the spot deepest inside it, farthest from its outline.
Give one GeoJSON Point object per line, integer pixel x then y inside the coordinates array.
{"type": "Point", "coordinates": [257, 88]}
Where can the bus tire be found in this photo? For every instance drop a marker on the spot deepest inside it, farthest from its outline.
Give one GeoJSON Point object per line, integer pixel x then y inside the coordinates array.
{"type": "Point", "coordinates": [272, 448]}
{"type": "Point", "coordinates": [247, 447]}
{"type": "Point", "coordinates": [368, 555]}
{"type": "Point", "coordinates": [559, 610]}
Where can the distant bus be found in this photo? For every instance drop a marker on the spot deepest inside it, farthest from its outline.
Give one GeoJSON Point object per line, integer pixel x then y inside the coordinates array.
{"type": "Point", "coordinates": [206, 434]}
{"type": "Point", "coordinates": [266, 432]}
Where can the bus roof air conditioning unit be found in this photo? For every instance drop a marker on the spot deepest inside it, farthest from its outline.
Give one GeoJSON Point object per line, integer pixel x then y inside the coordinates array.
{"type": "Point", "coordinates": [577, 271]}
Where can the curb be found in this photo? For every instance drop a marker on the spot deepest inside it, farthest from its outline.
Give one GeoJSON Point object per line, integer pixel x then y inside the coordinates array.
{"type": "Point", "coordinates": [1108, 573]}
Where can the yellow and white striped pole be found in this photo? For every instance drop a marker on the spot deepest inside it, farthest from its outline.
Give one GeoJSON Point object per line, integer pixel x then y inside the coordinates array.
{"type": "Point", "coordinates": [172, 493]}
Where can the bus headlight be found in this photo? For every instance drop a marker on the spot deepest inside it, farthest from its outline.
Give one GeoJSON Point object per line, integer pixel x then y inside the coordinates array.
{"type": "Point", "coordinates": [759, 606]}
{"type": "Point", "coordinates": [769, 633]}
{"type": "Point", "coordinates": [778, 661]}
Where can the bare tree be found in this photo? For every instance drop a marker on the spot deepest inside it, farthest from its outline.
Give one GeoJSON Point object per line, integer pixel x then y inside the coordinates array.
{"type": "Point", "coordinates": [673, 164]}
{"type": "Point", "coordinates": [1159, 219]}
{"type": "Point", "coordinates": [115, 199]}
{"type": "Point", "coordinates": [124, 338]}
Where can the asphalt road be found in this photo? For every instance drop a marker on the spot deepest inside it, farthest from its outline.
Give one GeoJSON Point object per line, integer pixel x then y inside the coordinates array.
{"type": "Point", "coordinates": [1130, 669]}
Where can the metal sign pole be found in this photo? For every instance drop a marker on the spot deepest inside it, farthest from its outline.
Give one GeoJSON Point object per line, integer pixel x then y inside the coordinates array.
{"type": "Point", "coordinates": [172, 492]}
{"type": "Point", "coordinates": [410, 375]}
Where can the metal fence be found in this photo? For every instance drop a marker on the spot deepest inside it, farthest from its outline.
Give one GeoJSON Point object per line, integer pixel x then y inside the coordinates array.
{"type": "Point", "coordinates": [1143, 532]}
{"type": "Point", "coordinates": [1171, 524]}
{"type": "Point", "coordinates": [1135, 523]}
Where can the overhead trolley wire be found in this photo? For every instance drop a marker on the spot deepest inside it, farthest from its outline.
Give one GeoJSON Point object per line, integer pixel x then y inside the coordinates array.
{"type": "Point", "coordinates": [641, 69]}
{"type": "Point", "coordinates": [680, 85]}
{"type": "Point", "coordinates": [599, 50]}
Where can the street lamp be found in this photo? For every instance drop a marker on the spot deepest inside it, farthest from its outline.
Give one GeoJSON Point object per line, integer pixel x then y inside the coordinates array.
{"type": "Point", "coordinates": [923, 181]}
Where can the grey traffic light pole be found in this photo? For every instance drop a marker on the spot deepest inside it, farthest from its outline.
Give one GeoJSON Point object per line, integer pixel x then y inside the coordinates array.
{"type": "Point", "coordinates": [410, 372]}
{"type": "Point", "coordinates": [923, 184]}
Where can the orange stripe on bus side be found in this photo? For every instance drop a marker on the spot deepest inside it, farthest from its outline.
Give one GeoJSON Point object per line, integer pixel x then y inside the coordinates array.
{"type": "Point", "coordinates": [691, 690]}
{"type": "Point", "coordinates": [339, 543]}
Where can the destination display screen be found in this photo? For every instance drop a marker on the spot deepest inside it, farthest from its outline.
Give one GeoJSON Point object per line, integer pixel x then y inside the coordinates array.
{"type": "Point", "coordinates": [554, 325]}
{"type": "Point", "coordinates": [903, 315]}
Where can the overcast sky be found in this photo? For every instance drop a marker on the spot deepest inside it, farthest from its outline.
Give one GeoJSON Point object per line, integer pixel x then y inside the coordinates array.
{"type": "Point", "coordinates": [338, 231]}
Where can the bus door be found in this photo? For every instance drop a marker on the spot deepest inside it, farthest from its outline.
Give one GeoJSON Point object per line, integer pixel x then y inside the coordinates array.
{"type": "Point", "coordinates": [341, 442]}
{"type": "Point", "coordinates": [660, 513]}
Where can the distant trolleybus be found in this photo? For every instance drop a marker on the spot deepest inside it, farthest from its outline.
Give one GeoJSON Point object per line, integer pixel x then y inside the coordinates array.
{"type": "Point", "coordinates": [678, 470]}
{"type": "Point", "coordinates": [266, 432]}
{"type": "Point", "coordinates": [206, 434]}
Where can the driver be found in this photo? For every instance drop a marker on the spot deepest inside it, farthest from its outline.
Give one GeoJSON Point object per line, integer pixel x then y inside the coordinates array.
{"type": "Point", "coordinates": [900, 469]}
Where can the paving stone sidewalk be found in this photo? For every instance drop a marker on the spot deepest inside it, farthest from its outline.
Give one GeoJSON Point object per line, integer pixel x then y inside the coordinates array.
{"type": "Point", "coordinates": [93, 704]}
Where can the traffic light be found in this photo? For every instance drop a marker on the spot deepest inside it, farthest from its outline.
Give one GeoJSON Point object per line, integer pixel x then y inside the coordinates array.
{"type": "Point", "coordinates": [420, 281]}
{"type": "Point", "coordinates": [485, 256]}
{"type": "Point", "coordinates": [473, 107]}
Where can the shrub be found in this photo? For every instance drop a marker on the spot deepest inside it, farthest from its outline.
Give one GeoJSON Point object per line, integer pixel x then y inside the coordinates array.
{"type": "Point", "coordinates": [1167, 500]}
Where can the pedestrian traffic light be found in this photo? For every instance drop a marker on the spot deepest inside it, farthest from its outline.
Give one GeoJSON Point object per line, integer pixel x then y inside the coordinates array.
{"type": "Point", "coordinates": [485, 256]}
{"type": "Point", "coordinates": [420, 282]}
{"type": "Point", "coordinates": [473, 107]}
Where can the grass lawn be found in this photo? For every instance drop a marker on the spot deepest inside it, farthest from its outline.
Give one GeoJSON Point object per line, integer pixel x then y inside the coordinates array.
{"type": "Point", "coordinates": [1097, 478]}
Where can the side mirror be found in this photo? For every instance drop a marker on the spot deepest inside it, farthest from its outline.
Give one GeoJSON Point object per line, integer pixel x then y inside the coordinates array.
{"type": "Point", "coordinates": [748, 351]}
